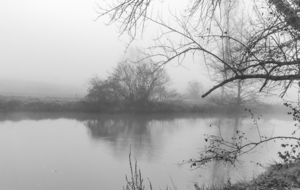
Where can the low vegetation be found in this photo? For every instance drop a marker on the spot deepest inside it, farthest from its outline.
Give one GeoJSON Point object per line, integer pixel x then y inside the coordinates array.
{"type": "Point", "coordinates": [84, 105]}
{"type": "Point", "coordinates": [278, 176]}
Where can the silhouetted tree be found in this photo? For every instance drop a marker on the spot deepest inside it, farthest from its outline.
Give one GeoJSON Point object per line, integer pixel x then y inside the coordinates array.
{"type": "Point", "coordinates": [141, 82]}
{"type": "Point", "coordinates": [132, 84]}
{"type": "Point", "coordinates": [194, 89]}
{"type": "Point", "coordinates": [239, 92]}
{"type": "Point", "coordinates": [104, 92]}
{"type": "Point", "coordinates": [270, 52]}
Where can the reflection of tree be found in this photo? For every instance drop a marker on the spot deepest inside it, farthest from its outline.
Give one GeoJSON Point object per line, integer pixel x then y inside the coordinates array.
{"type": "Point", "coordinates": [122, 131]}
{"type": "Point", "coordinates": [114, 128]}
{"type": "Point", "coordinates": [232, 132]}
{"type": "Point", "coordinates": [221, 171]}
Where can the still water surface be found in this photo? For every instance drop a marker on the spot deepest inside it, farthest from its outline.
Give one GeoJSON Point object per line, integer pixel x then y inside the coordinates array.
{"type": "Point", "coordinates": [81, 151]}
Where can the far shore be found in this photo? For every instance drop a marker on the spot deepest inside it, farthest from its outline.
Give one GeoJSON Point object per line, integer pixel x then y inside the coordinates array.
{"type": "Point", "coordinates": [81, 105]}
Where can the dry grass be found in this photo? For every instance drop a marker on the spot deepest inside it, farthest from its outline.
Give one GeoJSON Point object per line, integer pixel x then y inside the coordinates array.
{"type": "Point", "coordinates": [278, 176]}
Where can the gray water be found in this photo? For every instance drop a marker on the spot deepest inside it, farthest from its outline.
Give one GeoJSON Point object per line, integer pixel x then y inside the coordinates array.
{"type": "Point", "coordinates": [89, 152]}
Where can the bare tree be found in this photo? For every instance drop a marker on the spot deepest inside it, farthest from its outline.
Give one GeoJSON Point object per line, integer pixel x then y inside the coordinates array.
{"type": "Point", "coordinates": [194, 89]}
{"type": "Point", "coordinates": [104, 92]}
{"type": "Point", "coordinates": [270, 52]}
{"type": "Point", "coordinates": [141, 82]}
{"type": "Point", "coordinates": [239, 92]}
{"type": "Point", "coordinates": [132, 83]}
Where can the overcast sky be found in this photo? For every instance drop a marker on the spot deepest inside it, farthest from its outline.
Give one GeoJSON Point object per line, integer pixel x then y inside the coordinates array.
{"type": "Point", "coordinates": [57, 42]}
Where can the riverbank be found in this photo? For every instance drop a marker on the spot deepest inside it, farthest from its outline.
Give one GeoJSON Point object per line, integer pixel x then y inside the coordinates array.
{"type": "Point", "coordinates": [278, 176]}
{"type": "Point", "coordinates": [31, 104]}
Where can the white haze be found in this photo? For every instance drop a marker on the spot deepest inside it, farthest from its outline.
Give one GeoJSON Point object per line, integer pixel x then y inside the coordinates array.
{"type": "Point", "coordinates": [58, 43]}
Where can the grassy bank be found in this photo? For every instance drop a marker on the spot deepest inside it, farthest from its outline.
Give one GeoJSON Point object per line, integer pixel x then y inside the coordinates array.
{"type": "Point", "coordinates": [278, 176]}
{"type": "Point", "coordinates": [31, 104]}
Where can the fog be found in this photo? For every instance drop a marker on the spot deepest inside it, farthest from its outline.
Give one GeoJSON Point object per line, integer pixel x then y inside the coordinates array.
{"type": "Point", "coordinates": [72, 109]}
{"type": "Point", "coordinates": [58, 43]}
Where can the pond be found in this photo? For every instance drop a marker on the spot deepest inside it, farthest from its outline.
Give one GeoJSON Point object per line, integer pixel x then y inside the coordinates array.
{"type": "Point", "coordinates": [89, 151]}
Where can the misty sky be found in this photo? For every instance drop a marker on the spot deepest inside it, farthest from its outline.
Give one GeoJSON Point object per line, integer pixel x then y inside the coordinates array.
{"type": "Point", "coordinates": [57, 42]}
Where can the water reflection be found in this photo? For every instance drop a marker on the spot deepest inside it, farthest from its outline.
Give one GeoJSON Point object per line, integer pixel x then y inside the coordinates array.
{"type": "Point", "coordinates": [151, 138]}
{"type": "Point", "coordinates": [144, 134]}
{"type": "Point", "coordinates": [115, 127]}
{"type": "Point", "coordinates": [264, 154]}
{"type": "Point", "coordinates": [221, 172]}
{"type": "Point", "coordinates": [158, 142]}
{"type": "Point", "coordinates": [80, 145]}
{"type": "Point", "coordinates": [120, 133]}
